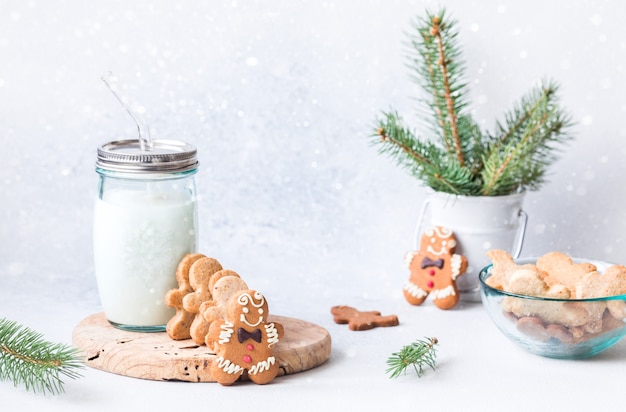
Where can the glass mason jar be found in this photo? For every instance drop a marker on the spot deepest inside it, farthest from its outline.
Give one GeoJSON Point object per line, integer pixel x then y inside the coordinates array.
{"type": "Point", "coordinates": [145, 221]}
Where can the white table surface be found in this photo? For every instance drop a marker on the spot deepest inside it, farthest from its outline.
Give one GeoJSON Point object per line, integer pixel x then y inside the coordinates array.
{"type": "Point", "coordinates": [477, 368]}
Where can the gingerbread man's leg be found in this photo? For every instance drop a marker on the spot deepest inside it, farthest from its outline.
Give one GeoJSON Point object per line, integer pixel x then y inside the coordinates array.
{"type": "Point", "coordinates": [263, 372]}
{"type": "Point", "coordinates": [414, 294]}
{"type": "Point", "coordinates": [446, 302]}
{"type": "Point", "coordinates": [178, 326]}
{"type": "Point", "coordinates": [199, 329]}
{"type": "Point", "coordinates": [224, 371]}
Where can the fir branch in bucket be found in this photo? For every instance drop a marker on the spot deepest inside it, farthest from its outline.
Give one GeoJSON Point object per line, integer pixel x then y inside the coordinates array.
{"type": "Point", "coordinates": [419, 354]}
{"type": "Point", "coordinates": [458, 157]}
{"type": "Point", "coordinates": [29, 360]}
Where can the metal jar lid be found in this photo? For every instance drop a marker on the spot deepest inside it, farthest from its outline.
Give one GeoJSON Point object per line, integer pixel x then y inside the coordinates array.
{"type": "Point", "coordinates": [165, 156]}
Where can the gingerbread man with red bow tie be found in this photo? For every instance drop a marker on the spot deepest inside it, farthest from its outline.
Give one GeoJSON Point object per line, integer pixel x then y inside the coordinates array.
{"type": "Point", "coordinates": [434, 269]}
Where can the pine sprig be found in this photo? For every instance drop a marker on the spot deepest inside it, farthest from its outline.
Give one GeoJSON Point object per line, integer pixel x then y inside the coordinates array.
{"type": "Point", "coordinates": [458, 157]}
{"type": "Point", "coordinates": [442, 77]}
{"type": "Point", "coordinates": [27, 359]}
{"type": "Point", "coordinates": [524, 146]}
{"type": "Point", "coordinates": [419, 354]}
{"type": "Point", "coordinates": [424, 159]}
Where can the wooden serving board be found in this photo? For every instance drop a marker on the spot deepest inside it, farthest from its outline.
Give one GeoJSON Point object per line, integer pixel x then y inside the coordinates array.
{"type": "Point", "coordinates": [157, 357]}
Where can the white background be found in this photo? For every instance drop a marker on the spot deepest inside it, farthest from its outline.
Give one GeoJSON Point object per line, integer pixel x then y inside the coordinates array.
{"type": "Point", "coordinates": [280, 98]}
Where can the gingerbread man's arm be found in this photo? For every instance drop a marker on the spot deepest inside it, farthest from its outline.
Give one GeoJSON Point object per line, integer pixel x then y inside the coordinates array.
{"type": "Point", "coordinates": [459, 265]}
{"type": "Point", "coordinates": [210, 311]}
{"type": "Point", "coordinates": [279, 329]}
{"type": "Point", "coordinates": [192, 301]}
{"type": "Point", "coordinates": [174, 297]}
{"type": "Point", "coordinates": [274, 331]}
{"type": "Point", "coordinates": [220, 333]}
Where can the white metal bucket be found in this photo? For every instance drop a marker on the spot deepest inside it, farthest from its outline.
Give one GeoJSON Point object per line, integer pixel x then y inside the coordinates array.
{"type": "Point", "coordinates": [480, 223]}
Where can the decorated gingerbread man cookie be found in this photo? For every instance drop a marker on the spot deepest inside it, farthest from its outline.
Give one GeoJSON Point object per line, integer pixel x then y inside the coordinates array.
{"type": "Point", "coordinates": [434, 269]}
{"type": "Point", "coordinates": [244, 340]}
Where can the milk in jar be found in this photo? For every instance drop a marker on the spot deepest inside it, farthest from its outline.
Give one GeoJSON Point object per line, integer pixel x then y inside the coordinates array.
{"type": "Point", "coordinates": [145, 221]}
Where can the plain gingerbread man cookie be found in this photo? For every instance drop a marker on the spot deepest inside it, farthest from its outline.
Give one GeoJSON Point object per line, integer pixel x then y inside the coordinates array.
{"type": "Point", "coordinates": [224, 284]}
{"type": "Point", "coordinates": [178, 326]}
{"type": "Point", "coordinates": [561, 270]}
{"type": "Point", "coordinates": [244, 340]}
{"type": "Point", "coordinates": [200, 274]}
{"type": "Point", "coordinates": [434, 269]}
{"type": "Point", "coordinates": [611, 283]}
{"type": "Point", "coordinates": [503, 267]}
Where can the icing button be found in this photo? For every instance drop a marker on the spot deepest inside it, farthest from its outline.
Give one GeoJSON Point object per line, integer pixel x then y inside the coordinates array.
{"type": "Point", "coordinates": [431, 284]}
{"type": "Point", "coordinates": [249, 346]}
{"type": "Point", "coordinates": [247, 359]}
{"type": "Point", "coordinates": [432, 272]}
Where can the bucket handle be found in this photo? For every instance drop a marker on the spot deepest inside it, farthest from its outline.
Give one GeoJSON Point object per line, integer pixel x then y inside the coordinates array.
{"type": "Point", "coordinates": [521, 231]}
{"type": "Point", "coordinates": [418, 228]}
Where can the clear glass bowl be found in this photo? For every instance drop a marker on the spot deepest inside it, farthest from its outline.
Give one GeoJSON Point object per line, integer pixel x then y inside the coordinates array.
{"type": "Point", "coordinates": [556, 328]}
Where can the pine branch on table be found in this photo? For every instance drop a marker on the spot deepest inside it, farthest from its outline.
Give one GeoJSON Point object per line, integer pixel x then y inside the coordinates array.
{"type": "Point", "coordinates": [29, 360]}
{"type": "Point", "coordinates": [419, 354]}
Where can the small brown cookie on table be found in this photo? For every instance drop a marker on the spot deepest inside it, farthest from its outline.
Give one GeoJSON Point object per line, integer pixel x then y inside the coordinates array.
{"type": "Point", "coordinates": [357, 320]}
{"type": "Point", "coordinates": [178, 326]}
